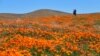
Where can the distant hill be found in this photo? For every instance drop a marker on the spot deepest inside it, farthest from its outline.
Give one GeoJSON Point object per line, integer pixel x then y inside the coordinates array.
{"type": "Point", "coordinates": [37, 13]}
{"type": "Point", "coordinates": [45, 12]}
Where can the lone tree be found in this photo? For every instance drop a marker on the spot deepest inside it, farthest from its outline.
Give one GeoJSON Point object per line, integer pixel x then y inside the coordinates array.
{"type": "Point", "coordinates": [74, 12]}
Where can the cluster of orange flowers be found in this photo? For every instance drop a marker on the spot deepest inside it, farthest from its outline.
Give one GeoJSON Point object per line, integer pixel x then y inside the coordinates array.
{"type": "Point", "coordinates": [46, 36]}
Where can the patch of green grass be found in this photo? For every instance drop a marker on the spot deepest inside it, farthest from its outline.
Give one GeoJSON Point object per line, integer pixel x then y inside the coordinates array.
{"type": "Point", "coordinates": [85, 47]}
{"type": "Point", "coordinates": [33, 50]}
{"type": "Point", "coordinates": [75, 53]}
{"type": "Point", "coordinates": [97, 22]}
{"type": "Point", "coordinates": [48, 52]}
{"type": "Point", "coordinates": [94, 53]}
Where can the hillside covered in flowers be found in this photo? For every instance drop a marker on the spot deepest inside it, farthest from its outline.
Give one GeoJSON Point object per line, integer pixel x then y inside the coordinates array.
{"type": "Point", "coordinates": [66, 35]}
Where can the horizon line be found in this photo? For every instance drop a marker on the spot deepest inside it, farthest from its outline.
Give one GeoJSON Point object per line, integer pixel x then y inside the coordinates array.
{"type": "Point", "coordinates": [47, 9]}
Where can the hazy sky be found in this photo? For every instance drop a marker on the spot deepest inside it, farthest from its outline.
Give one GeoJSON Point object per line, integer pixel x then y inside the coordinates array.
{"type": "Point", "coordinates": [24, 6]}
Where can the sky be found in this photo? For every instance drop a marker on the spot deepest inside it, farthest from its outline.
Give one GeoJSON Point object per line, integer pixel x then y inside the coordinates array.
{"type": "Point", "coordinates": [25, 6]}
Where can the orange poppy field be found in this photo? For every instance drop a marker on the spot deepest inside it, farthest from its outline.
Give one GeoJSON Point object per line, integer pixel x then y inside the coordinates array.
{"type": "Point", "coordinates": [51, 36]}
